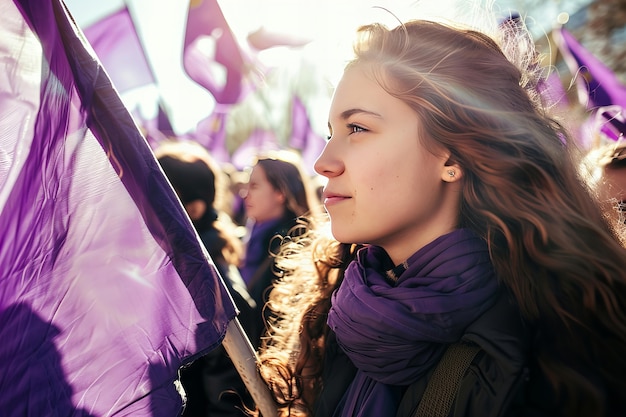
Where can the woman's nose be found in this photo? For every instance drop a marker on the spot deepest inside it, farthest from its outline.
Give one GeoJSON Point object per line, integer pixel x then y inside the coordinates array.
{"type": "Point", "coordinates": [328, 164]}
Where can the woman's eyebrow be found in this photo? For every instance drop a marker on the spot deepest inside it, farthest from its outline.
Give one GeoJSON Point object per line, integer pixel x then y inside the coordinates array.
{"type": "Point", "coordinates": [347, 113]}
{"type": "Point", "coordinates": [344, 115]}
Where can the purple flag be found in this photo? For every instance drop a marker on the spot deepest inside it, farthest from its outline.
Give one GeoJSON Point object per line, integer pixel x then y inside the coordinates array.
{"type": "Point", "coordinates": [610, 122]}
{"type": "Point", "coordinates": [211, 55]}
{"type": "Point", "coordinates": [259, 142]}
{"type": "Point", "coordinates": [551, 88]}
{"type": "Point", "coordinates": [155, 129]}
{"type": "Point", "coordinates": [105, 288]}
{"type": "Point", "coordinates": [163, 122]}
{"type": "Point", "coordinates": [303, 138]}
{"type": "Point", "coordinates": [211, 133]}
{"type": "Point", "coordinates": [264, 38]}
{"type": "Point", "coordinates": [598, 86]}
{"type": "Point", "coordinates": [117, 45]}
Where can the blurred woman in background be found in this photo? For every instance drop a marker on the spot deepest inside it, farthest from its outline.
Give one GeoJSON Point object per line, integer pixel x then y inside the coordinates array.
{"type": "Point", "coordinates": [277, 195]}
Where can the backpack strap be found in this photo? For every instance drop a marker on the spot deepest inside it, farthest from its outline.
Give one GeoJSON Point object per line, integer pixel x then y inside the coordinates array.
{"type": "Point", "coordinates": [442, 387]}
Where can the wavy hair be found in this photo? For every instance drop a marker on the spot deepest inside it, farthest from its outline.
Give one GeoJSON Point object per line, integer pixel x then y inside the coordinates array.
{"type": "Point", "coordinates": [196, 175]}
{"type": "Point", "coordinates": [552, 248]}
{"type": "Point", "coordinates": [600, 164]}
{"type": "Point", "coordinates": [548, 239]}
{"type": "Point", "coordinates": [284, 171]}
{"type": "Point", "coordinates": [292, 353]}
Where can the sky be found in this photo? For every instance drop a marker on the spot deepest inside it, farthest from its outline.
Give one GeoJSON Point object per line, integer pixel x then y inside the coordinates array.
{"type": "Point", "coordinates": [330, 23]}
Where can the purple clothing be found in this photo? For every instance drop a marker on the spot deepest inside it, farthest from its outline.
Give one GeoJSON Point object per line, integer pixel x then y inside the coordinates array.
{"type": "Point", "coordinates": [257, 248]}
{"type": "Point", "coordinates": [395, 331]}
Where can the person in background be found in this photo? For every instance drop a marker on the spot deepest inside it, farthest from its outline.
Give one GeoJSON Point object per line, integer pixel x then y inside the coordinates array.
{"type": "Point", "coordinates": [212, 384]}
{"type": "Point", "coordinates": [604, 165]}
{"type": "Point", "coordinates": [278, 193]}
{"type": "Point", "coordinates": [237, 183]}
{"type": "Point", "coordinates": [458, 220]}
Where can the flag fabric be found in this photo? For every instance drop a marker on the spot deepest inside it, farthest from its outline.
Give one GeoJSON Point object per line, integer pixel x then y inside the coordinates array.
{"type": "Point", "coordinates": [156, 129]}
{"type": "Point", "coordinates": [212, 56]}
{"type": "Point", "coordinates": [211, 133]}
{"type": "Point", "coordinates": [610, 122]}
{"type": "Point", "coordinates": [553, 92]}
{"type": "Point", "coordinates": [105, 288]}
{"type": "Point", "coordinates": [598, 86]}
{"type": "Point", "coordinates": [303, 138]}
{"type": "Point", "coordinates": [163, 122]}
{"type": "Point", "coordinates": [260, 141]}
{"type": "Point", "coordinates": [118, 47]}
{"type": "Point", "coordinates": [264, 38]}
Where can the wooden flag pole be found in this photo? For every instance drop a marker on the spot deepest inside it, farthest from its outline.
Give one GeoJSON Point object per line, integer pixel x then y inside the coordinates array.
{"type": "Point", "coordinates": [245, 359]}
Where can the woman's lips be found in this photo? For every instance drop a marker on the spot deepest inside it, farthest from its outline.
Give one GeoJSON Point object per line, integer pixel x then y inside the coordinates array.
{"type": "Point", "coordinates": [332, 198]}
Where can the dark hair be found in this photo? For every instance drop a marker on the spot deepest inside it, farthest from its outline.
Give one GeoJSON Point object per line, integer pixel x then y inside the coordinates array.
{"type": "Point", "coordinates": [284, 172]}
{"type": "Point", "coordinates": [195, 175]}
{"type": "Point", "coordinates": [192, 180]}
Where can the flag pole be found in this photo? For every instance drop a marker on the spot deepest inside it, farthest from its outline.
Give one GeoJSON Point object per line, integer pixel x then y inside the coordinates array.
{"type": "Point", "coordinates": [245, 359]}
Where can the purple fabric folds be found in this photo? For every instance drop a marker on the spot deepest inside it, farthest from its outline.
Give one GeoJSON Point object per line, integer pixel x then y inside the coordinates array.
{"type": "Point", "coordinates": [553, 92]}
{"type": "Point", "coordinates": [259, 141]}
{"type": "Point", "coordinates": [210, 49]}
{"type": "Point", "coordinates": [394, 333]}
{"type": "Point", "coordinates": [211, 133]}
{"type": "Point", "coordinates": [257, 247]}
{"type": "Point", "coordinates": [105, 288]}
{"type": "Point", "coordinates": [598, 86]}
{"type": "Point", "coordinates": [303, 138]}
{"type": "Point", "coordinates": [117, 45]}
{"type": "Point", "coordinates": [611, 122]}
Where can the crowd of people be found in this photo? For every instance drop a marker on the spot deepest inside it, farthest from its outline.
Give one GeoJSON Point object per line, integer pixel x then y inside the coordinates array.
{"type": "Point", "coordinates": [275, 196]}
{"type": "Point", "coordinates": [468, 260]}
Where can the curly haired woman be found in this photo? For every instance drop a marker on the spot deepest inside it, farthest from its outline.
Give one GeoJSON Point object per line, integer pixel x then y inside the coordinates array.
{"type": "Point", "coordinates": [458, 216]}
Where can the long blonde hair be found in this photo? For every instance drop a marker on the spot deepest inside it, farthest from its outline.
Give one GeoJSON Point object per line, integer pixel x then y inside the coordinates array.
{"type": "Point", "coordinates": [312, 265]}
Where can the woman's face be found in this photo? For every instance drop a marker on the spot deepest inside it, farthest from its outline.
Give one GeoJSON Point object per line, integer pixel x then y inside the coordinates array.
{"type": "Point", "coordinates": [384, 187]}
{"type": "Point", "coordinates": [262, 201]}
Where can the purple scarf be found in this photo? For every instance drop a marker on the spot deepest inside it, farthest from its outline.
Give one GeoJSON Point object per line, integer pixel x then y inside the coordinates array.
{"type": "Point", "coordinates": [258, 247]}
{"type": "Point", "coordinates": [395, 331]}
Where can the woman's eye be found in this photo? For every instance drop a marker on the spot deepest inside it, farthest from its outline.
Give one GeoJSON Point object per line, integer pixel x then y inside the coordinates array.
{"type": "Point", "coordinates": [356, 128]}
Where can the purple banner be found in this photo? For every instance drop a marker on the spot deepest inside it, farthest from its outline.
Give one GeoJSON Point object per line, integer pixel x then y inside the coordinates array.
{"type": "Point", "coordinates": [105, 288]}
{"type": "Point", "coordinates": [117, 45]}
{"type": "Point", "coordinates": [598, 85]}
{"type": "Point", "coordinates": [303, 137]}
{"type": "Point", "coordinates": [211, 55]}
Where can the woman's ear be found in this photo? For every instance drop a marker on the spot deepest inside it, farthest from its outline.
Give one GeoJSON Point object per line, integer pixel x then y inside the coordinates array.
{"type": "Point", "coordinates": [280, 197]}
{"type": "Point", "coordinates": [195, 209]}
{"type": "Point", "coordinates": [451, 172]}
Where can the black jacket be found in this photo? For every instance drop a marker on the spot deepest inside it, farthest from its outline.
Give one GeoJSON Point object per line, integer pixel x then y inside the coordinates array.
{"type": "Point", "coordinates": [212, 384]}
{"type": "Point", "coordinates": [496, 383]}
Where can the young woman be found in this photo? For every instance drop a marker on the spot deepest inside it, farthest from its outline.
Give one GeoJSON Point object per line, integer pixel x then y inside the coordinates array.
{"type": "Point", "coordinates": [277, 194]}
{"type": "Point", "coordinates": [457, 215]}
